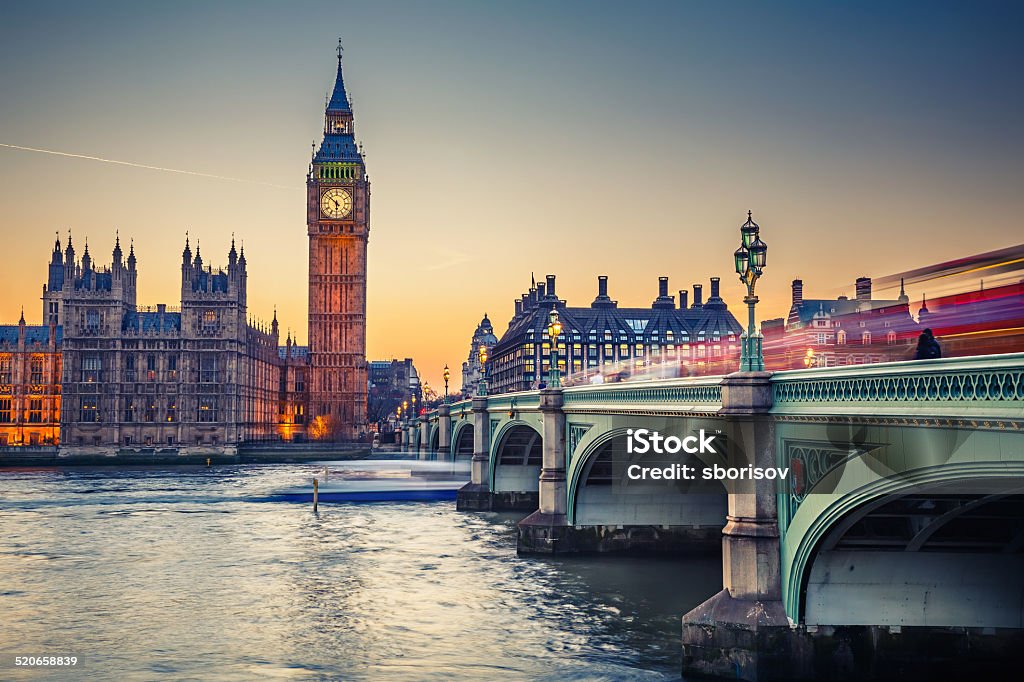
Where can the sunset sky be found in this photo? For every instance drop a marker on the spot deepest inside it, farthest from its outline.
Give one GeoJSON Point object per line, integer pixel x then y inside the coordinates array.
{"type": "Point", "coordinates": [508, 138]}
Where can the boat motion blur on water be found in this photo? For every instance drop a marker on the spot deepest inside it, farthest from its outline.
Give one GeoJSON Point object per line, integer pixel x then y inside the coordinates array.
{"type": "Point", "coordinates": [386, 480]}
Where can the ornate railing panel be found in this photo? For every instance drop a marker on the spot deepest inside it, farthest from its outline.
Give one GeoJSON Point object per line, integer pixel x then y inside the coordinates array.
{"type": "Point", "coordinates": [991, 384]}
{"type": "Point", "coordinates": [519, 401]}
{"type": "Point", "coordinates": [703, 392]}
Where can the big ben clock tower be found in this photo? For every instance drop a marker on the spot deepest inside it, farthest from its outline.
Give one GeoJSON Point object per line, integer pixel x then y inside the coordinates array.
{"type": "Point", "coordinates": [338, 224]}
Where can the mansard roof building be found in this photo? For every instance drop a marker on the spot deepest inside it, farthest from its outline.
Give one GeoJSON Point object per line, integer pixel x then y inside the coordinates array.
{"type": "Point", "coordinates": [605, 339]}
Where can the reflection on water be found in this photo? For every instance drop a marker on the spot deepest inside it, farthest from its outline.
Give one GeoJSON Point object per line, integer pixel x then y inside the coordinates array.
{"type": "Point", "coordinates": [191, 572]}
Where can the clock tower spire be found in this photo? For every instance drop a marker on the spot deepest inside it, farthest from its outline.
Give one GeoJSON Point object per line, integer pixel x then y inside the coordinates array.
{"type": "Point", "coordinates": [338, 225]}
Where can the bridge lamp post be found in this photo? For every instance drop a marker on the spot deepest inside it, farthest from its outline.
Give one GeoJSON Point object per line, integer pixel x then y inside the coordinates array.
{"type": "Point", "coordinates": [414, 412]}
{"type": "Point", "coordinates": [554, 331]}
{"type": "Point", "coordinates": [483, 370]}
{"type": "Point", "coordinates": [447, 376]}
{"type": "Point", "coordinates": [750, 262]}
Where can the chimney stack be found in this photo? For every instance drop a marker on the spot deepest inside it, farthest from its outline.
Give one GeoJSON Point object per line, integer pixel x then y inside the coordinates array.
{"type": "Point", "coordinates": [662, 287]}
{"type": "Point", "coordinates": [798, 291]}
{"type": "Point", "coordinates": [602, 300]}
{"type": "Point", "coordinates": [551, 285]}
{"type": "Point", "coordinates": [715, 284]}
{"type": "Point", "coordinates": [519, 307]}
{"type": "Point", "coordinates": [698, 301]}
{"type": "Point", "coordinates": [684, 299]}
{"type": "Point", "coordinates": [540, 291]}
{"type": "Point", "coordinates": [863, 288]}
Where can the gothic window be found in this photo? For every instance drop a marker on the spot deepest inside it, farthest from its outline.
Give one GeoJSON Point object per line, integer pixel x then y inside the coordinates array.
{"type": "Point", "coordinates": [5, 370]}
{"type": "Point", "coordinates": [129, 410]}
{"type": "Point", "coordinates": [92, 320]}
{"type": "Point", "coordinates": [172, 367]}
{"type": "Point", "coordinates": [35, 411]}
{"type": "Point", "coordinates": [92, 368]}
{"type": "Point", "coordinates": [841, 338]}
{"type": "Point", "coordinates": [36, 371]}
{"type": "Point", "coordinates": [890, 338]}
{"type": "Point", "coordinates": [172, 411]}
{"type": "Point", "coordinates": [866, 338]}
{"type": "Point", "coordinates": [90, 410]}
{"type": "Point", "coordinates": [208, 369]}
{"type": "Point", "coordinates": [207, 410]}
{"type": "Point", "coordinates": [151, 410]}
{"type": "Point", "coordinates": [5, 411]}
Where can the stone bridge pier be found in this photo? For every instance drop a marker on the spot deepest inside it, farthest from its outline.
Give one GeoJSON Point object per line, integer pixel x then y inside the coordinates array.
{"type": "Point", "coordinates": [476, 495]}
{"type": "Point", "coordinates": [547, 529]}
{"type": "Point", "coordinates": [736, 633]}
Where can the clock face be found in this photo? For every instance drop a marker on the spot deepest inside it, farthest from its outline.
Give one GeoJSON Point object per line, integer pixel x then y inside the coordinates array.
{"type": "Point", "coordinates": [336, 203]}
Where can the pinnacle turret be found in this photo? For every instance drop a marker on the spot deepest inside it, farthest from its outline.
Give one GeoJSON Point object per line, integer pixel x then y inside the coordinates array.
{"type": "Point", "coordinates": [339, 98]}
{"type": "Point", "coordinates": [117, 254]}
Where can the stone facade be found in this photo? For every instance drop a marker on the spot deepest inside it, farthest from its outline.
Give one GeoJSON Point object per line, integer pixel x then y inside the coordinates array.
{"type": "Point", "coordinates": [338, 224]}
{"type": "Point", "coordinates": [195, 375]}
{"type": "Point", "coordinates": [30, 376]}
{"type": "Point", "coordinates": [471, 374]}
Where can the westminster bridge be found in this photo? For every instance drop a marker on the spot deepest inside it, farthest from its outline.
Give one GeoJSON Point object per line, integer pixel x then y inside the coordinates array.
{"type": "Point", "coordinates": [894, 546]}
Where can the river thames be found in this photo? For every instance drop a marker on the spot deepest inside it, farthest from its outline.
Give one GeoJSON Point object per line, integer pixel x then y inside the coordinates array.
{"type": "Point", "coordinates": [195, 573]}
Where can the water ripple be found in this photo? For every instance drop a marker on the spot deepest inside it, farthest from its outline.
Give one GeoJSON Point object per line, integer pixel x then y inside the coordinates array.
{"type": "Point", "coordinates": [192, 573]}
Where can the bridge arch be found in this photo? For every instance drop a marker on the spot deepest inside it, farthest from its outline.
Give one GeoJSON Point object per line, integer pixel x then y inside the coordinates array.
{"type": "Point", "coordinates": [516, 456]}
{"type": "Point", "coordinates": [434, 441]}
{"type": "Point", "coordinates": [598, 495]}
{"type": "Point", "coordinates": [941, 546]}
{"type": "Point", "coordinates": [462, 441]}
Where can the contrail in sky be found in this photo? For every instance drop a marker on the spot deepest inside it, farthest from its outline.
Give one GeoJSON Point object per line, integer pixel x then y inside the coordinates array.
{"type": "Point", "coordinates": [142, 165]}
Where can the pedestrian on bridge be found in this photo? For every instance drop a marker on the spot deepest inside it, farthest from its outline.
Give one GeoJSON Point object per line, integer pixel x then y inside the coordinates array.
{"type": "Point", "coordinates": [928, 347]}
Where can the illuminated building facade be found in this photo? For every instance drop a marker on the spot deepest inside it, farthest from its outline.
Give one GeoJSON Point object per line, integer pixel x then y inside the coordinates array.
{"type": "Point", "coordinates": [30, 377]}
{"type": "Point", "coordinates": [841, 331]}
{"type": "Point", "coordinates": [697, 338]}
{"type": "Point", "coordinates": [198, 374]}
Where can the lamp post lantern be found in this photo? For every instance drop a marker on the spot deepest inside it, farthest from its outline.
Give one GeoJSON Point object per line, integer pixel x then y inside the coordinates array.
{"type": "Point", "coordinates": [554, 331]}
{"type": "Point", "coordinates": [447, 376]}
{"type": "Point", "coordinates": [483, 370]}
{"type": "Point", "coordinates": [750, 261]}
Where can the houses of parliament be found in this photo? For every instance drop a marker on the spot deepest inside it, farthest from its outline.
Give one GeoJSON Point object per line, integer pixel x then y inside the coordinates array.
{"type": "Point", "coordinates": [102, 371]}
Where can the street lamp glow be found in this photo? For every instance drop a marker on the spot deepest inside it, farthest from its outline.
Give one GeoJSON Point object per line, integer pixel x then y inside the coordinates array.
{"type": "Point", "coordinates": [483, 370]}
{"type": "Point", "coordinates": [447, 376]}
{"type": "Point", "coordinates": [750, 261]}
{"type": "Point", "coordinates": [554, 331]}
